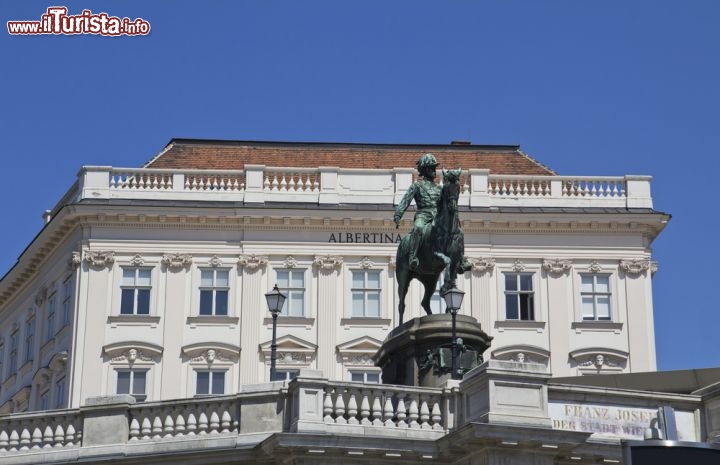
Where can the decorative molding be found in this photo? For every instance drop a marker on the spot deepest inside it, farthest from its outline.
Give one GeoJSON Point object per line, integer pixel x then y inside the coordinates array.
{"type": "Point", "coordinates": [653, 267]}
{"type": "Point", "coordinates": [635, 267]}
{"type": "Point", "coordinates": [176, 261]}
{"type": "Point", "coordinates": [391, 262]}
{"type": "Point", "coordinates": [40, 296]}
{"type": "Point", "coordinates": [366, 263]}
{"type": "Point", "coordinates": [215, 261]}
{"type": "Point", "coordinates": [99, 259]}
{"type": "Point", "coordinates": [289, 262]}
{"type": "Point", "coordinates": [132, 355]}
{"type": "Point", "coordinates": [522, 354]}
{"type": "Point", "coordinates": [358, 360]}
{"type": "Point", "coordinates": [518, 266]}
{"type": "Point", "coordinates": [75, 260]}
{"type": "Point", "coordinates": [295, 358]}
{"type": "Point", "coordinates": [482, 264]}
{"type": "Point", "coordinates": [137, 260]}
{"type": "Point", "coordinates": [557, 266]}
{"type": "Point", "coordinates": [253, 262]}
{"type": "Point", "coordinates": [595, 267]}
{"type": "Point", "coordinates": [592, 360]}
{"type": "Point", "coordinates": [328, 262]}
{"type": "Point", "coordinates": [210, 355]}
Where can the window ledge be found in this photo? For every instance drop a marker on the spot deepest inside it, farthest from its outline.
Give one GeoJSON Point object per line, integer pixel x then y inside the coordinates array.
{"type": "Point", "coordinates": [133, 320]}
{"type": "Point", "coordinates": [520, 325]}
{"type": "Point", "coordinates": [212, 320]}
{"type": "Point", "coordinates": [365, 322]}
{"type": "Point", "coordinates": [26, 367]}
{"type": "Point", "coordinates": [597, 326]}
{"type": "Point", "coordinates": [292, 321]}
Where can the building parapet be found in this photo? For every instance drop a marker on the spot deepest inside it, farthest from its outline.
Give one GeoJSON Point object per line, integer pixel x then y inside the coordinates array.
{"type": "Point", "coordinates": [333, 185]}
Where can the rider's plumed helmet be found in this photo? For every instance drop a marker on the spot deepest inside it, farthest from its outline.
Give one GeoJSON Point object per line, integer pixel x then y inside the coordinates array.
{"type": "Point", "coordinates": [426, 160]}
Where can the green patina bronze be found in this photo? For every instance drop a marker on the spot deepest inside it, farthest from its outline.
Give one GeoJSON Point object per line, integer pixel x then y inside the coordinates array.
{"type": "Point", "coordinates": [436, 242]}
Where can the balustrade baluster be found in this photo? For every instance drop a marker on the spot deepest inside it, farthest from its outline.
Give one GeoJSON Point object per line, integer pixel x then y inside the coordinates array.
{"type": "Point", "coordinates": [202, 423]}
{"type": "Point", "coordinates": [70, 436]}
{"type": "Point", "coordinates": [275, 183]}
{"type": "Point", "coordinates": [168, 426]}
{"type": "Point", "coordinates": [146, 428]}
{"type": "Point", "coordinates": [401, 413]}
{"type": "Point", "coordinates": [352, 410]}
{"type": "Point", "coordinates": [424, 415]}
{"type": "Point", "coordinates": [365, 410]}
{"type": "Point", "coordinates": [225, 421]}
{"type": "Point", "coordinates": [328, 406]}
{"type": "Point", "coordinates": [291, 183]}
{"type": "Point", "coordinates": [59, 436]}
{"type": "Point", "coordinates": [340, 408]}
{"type": "Point", "coordinates": [414, 415]}
{"type": "Point", "coordinates": [388, 411]}
{"type": "Point", "coordinates": [48, 437]}
{"type": "Point", "coordinates": [134, 429]}
{"type": "Point", "coordinates": [436, 417]}
{"type": "Point", "coordinates": [214, 422]}
{"type": "Point", "coordinates": [3, 441]}
{"type": "Point", "coordinates": [157, 427]}
{"type": "Point", "coordinates": [191, 424]}
{"type": "Point", "coordinates": [36, 439]}
{"type": "Point", "coordinates": [179, 425]}
{"type": "Point", "coordinates": [266, 184]}
{"type": "Point", "coordinates": [376, 411]}
{"type": "Point", "coordinates": [14, 441]}
{"type": "Point", "coordinates": [25, 439]}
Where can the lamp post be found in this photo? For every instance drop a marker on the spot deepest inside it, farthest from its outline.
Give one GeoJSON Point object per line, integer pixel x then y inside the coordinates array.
{"type": "Point", "coordinates": [453, 299]}
{"type": "Point", "coordinates": [275, 300]}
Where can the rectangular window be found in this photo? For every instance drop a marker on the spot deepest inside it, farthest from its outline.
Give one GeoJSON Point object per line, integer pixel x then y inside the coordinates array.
{"type": "Point", "coordinates": [365, 293]}
{"type": "Point", "coordinates": [372, 377]}
{"type": "Point", "coordinates": [50, 326]}
{"type": "Point", "coordinates": [2, 360]}
{"type": "Point", "coordinates": [60, 393]}
{"type": "Point", "coordinates": [12, 366]}
{"type": "Point", "coordinates": [209, 383]}
{"type": "Point", "coordinates": [135, 291]}
{"type": "Point", "coordinates": [595, 296]}
{"type": "Point", "coordinates": [29, 339]}
{"type": "Point", "coordinates": [285, 375]}
{"type": "Point", "coordinates": [132, 382]}
{"type": "Point", "coordinates": [291, 282]}
{"type": "Point", "coordinates": [45, 400]}
{"type": "Point", "coordinates": [214, 288]}
{"type": "Point", "coordinates": [67, 301]}
{"type": "Point", "coordinates": [519, 296]}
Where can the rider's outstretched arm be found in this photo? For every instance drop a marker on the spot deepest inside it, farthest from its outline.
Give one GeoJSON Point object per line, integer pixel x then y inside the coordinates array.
{"type": "Point", "coordinates": [404, 204]}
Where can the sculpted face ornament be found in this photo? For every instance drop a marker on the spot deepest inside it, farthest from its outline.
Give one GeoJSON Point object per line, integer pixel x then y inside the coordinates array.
{"type": "Point", "coordinates": [521, 357]}
{"type": "Point", "coordinates": [211, 355]}
{"type": "Point", "coordinates": [132, 355]}
{"type": "Point", "coordinates": [599, 360]}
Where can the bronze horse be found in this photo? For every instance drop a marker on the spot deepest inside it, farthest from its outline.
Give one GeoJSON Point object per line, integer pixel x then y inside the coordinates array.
{"type": "Point", "coordinates": [442, 250]}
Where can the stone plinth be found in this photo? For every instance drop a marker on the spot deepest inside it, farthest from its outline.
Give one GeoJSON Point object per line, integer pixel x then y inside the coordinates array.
{"type": "Point", "coordinates": [417, 353]}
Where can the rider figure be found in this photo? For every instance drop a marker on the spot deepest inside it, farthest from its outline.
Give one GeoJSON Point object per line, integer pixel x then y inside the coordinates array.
{"type": "Point", "coordinates": [426, 194]}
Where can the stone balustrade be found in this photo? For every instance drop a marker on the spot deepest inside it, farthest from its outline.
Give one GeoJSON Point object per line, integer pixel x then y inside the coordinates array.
{"type": "Point", "coordinates": [332, 185]}
{"type": "Point", "coordinates": [40, 430]}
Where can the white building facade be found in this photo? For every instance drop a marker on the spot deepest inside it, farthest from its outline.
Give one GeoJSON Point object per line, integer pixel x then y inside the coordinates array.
{"type": "Point", "coordinates": [150, 281]}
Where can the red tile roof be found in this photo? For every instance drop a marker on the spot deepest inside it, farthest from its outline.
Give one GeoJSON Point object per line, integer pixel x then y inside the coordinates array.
{"type": "Point", "coordinates": [234, 155]}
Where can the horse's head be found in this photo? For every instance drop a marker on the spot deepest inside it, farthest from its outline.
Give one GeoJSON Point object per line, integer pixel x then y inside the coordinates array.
{"type": "Point", "coordinates": [451, 186]}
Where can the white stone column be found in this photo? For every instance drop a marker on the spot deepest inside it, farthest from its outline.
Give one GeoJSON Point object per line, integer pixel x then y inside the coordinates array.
{"type": "Point", "coordinates": [560, 315]}
{"type": "Point", "coordinates": [253, 311]}
{"type": "Point", "coordinates": [329, 312]}
{"type": "Point", "coordinates": [177, 279]}
{"type": "Point", "coordinates": [641, 334]}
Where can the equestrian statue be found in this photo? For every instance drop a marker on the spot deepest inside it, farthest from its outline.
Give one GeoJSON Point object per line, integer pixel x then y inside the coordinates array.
{"type": "Point", "coordinates": [436, 242]}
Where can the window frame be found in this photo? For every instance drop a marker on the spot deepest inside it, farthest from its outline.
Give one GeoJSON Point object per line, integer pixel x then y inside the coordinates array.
{"type": "Point", "coordinates": [595, 294]}
{"type": "Point", "coordinates": [131, 382]}
{"type": "Point", "coordinates": [13, 360]}
{"type": "Point", "coordinates": [366, 290]}
{"type": "Point", "coordinates": [213, 289]}
{"type": "Point", "coordinates": [50, 316]}
{"type": "Point", "coordinates": [135, 287]}
{"type": "Point", "coordinates": [288, 291]}
{"type": "Point", "coordinates": [533, 293]}
{"type": "Point", "coordinates": [210, 372]}
{"type": "Point", "coordinates": [364, 373]}
{"type": "Point", "coordinates": [44, 398]}
{"type": "Point", "coordinates": [59, 393]}
{"type": "Point", "coordinates": [29, 349]}
{"type": "Point", "coordinates": [67, 300]}
{"type": "Point", "coordinates": [290, 374]}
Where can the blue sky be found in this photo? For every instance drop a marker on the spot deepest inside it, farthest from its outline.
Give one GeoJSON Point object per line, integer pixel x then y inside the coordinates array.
{"type": "Point", "coordinates": [587, 88]}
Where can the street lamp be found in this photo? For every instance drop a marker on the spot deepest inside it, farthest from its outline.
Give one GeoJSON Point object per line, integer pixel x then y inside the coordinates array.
{"type": "Point", "coordinates": [275, 300]}
{"type": "Point", "coordinates": [453, 299]}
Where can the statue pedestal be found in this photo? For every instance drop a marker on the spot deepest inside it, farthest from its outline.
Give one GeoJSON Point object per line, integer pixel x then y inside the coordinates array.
{"type": "Point", "coordinates": [419, 353]}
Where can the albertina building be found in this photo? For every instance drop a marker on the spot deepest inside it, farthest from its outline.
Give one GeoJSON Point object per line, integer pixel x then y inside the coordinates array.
{"type": "Point", "coordinates": [136, 320]}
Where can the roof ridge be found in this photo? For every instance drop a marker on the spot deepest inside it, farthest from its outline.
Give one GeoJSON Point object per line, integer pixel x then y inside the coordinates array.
{"type": "Point", "coordinates": [533, 160]}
